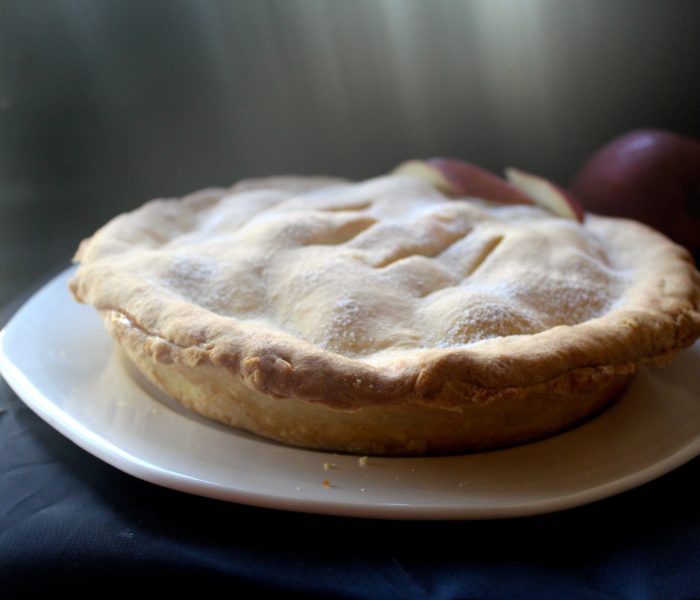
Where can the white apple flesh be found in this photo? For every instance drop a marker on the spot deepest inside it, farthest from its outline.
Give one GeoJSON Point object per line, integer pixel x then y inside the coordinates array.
{"type": "Point", "coordinates": [546, 194]}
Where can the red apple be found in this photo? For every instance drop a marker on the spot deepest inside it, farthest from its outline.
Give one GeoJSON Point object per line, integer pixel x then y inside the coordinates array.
{"type": "Point", "coordinates": [650, 175]}
{"type": "Point", "coordinates": [459, 178]}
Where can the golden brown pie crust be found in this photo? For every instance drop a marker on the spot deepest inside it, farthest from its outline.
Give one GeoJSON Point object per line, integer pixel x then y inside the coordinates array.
{"type": "Point", "coordinates": [416, 377]}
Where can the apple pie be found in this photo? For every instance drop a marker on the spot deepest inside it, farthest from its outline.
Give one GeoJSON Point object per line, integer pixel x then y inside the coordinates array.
{"type": "Point", "coordinates": [386, 316]}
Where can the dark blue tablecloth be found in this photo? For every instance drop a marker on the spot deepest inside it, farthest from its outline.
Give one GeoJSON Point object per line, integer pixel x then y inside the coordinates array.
{"type": "Point", "coordinates": [70, 523]}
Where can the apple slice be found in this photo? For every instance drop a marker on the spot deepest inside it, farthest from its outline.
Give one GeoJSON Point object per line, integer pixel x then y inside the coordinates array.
{"type": "Point", "coordinates": [459, 178]}
{"type": "Point", "coordinates": [470, 180]}
{"type": "Point", "coordinates": [422, 170]}
{"type": "Point", "coordinates": [546, 194]}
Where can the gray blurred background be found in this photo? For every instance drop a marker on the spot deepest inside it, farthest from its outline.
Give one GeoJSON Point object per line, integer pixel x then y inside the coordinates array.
{"type": "Point", "coordinates": [105, 104]}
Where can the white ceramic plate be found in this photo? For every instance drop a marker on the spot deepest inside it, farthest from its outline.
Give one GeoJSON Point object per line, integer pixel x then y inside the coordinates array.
{"type": "Point", "coordinates": [57, 357]}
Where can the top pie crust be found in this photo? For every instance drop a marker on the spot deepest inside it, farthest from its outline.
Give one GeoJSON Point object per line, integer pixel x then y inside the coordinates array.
{"type": "Point", "coordinates": [386, 292]}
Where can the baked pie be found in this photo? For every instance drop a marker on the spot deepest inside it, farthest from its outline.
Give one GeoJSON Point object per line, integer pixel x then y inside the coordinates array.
{"type": "Point", "coordinates": [386, 316]}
